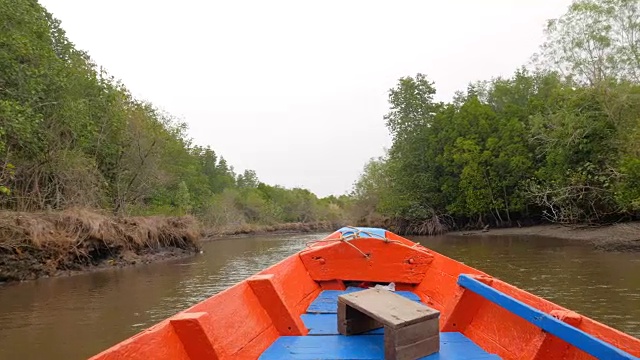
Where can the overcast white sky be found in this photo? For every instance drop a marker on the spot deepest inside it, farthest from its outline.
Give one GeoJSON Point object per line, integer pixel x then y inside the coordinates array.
{"type": "Point", "coordinates": [297, 90]}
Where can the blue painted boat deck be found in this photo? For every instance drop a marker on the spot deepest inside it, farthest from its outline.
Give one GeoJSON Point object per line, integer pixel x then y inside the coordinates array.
{"type": "Point", "coordinates": [324, 341]}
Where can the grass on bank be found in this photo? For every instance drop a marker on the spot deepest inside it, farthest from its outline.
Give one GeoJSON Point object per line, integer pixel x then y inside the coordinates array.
{"type": "Point", "coordinates": [44, 243]}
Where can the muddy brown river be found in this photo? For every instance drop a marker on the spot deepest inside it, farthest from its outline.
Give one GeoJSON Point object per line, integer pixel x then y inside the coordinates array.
{"type": "Point", "coordinates": [76, 317]}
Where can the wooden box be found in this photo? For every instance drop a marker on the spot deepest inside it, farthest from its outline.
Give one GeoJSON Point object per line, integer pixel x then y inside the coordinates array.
{"type": "Point", "coordinates": [411, 329]}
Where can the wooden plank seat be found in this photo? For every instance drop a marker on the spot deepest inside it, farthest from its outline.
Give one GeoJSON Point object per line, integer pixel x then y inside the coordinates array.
{"type": "Point", "coordinates": [411, 329]}
{"type": "Point", "coordinates": [327, 300]}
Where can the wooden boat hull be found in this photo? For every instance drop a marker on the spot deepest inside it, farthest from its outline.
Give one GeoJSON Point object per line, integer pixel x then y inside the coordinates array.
{"type": "Point", "coordinates": [266, 315]}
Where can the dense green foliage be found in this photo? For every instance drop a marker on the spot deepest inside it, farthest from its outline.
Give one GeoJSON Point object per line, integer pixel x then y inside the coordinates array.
{"type": "Point", "coordinates": [560, 142]}
{"type": "Point", "coordinates": [70, 135]}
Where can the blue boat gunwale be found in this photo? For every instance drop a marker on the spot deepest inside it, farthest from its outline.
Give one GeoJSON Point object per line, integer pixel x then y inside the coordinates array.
{"type": "Point", "coordinates": [572, 335]}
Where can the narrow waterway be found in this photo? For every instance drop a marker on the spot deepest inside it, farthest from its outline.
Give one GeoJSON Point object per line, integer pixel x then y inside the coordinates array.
{"type": "Point", "coordinates": [76, 317]}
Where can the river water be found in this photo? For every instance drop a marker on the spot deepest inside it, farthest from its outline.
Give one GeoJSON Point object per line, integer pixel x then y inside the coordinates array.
{"type": "Point", "coordinates": [76, 317]}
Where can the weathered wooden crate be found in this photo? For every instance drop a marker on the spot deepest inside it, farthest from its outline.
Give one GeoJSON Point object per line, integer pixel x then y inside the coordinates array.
{"type": "Point", "coordinates": [411, 329]}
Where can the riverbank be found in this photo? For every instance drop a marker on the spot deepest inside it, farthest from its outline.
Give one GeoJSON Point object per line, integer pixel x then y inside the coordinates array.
{"type": "Point", "coordinates": [618, 237]}
{"type": "Point", "coordinates": [34, 245]}
{"type": "Point", "coordinates": [48, 244]}
{"type": "Point", "coordinates": [254, 229]}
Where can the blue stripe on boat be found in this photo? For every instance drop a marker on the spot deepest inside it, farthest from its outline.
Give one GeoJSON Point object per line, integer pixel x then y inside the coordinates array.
{"type": "Point", "coordinates": [453, 346]}
{"type": "Point", "coordinates": [327, 301]}
{"type": "Point", "coordinates": [572, 335]}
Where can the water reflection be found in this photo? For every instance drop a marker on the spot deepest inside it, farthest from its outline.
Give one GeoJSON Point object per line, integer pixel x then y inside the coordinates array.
{"type": "Point", "coordinates": [75, 317]}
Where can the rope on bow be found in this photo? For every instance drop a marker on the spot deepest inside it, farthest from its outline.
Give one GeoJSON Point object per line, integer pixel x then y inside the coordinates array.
{"type": "Point", "coordinates": [355, 235]}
